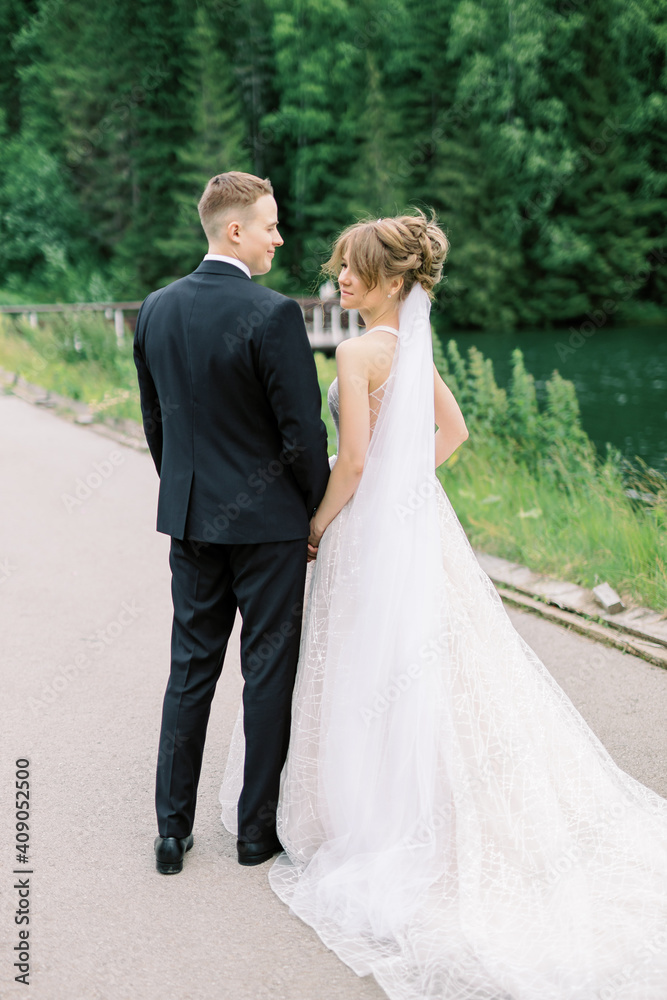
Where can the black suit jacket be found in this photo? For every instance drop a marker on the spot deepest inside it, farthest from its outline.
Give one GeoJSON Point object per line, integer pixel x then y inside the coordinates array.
{"type": "Point", "coordinates": [231, 409]}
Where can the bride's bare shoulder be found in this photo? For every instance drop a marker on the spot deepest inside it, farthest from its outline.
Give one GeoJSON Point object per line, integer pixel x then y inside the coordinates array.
{"type": "Point", "coordinates": [351, 353]}
{"type": "Point", "coordinates": [350, 363]}
{"type": "Point", "coordinates": [350, 347]}
{"type": "Point", "coordinates": [366, 360]}
{"type": "Point", "coordinates": [365, 352]}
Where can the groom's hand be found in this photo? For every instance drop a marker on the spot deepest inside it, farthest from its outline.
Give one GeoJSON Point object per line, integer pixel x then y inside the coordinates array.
{"type": "Point", "coordinates": [312, 552]}
{"type": "Point", "coordinates": [313, 540]}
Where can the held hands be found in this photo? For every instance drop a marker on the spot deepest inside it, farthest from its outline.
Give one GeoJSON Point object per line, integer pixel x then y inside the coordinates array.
{"type": "Point", "coordinates": [314, 539]}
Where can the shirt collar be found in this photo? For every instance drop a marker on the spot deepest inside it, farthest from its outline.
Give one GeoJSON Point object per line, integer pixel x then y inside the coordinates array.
{"type": "Point", "coordinates": [229, 260]}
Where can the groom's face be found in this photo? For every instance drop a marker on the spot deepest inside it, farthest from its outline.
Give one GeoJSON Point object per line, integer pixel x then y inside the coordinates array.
{"type": "Point", "coordinates": [259, 236]}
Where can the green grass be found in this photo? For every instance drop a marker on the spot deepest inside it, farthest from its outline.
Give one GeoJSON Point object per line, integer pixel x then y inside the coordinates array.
{"type": "Point", "coordinates": [76, 358]}
{"type": "Point", "coordinates": [326, 373]}
{"type": "Point", "coordinates": [524, 485]}
{"type": "Point", "coordinates": [585, 532]}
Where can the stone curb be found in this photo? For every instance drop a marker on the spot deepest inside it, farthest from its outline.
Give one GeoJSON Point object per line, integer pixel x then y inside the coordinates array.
{"type": "Point", "coordinates": [639, 631]}
{"type": "Point", "coordinates": [125, 432]}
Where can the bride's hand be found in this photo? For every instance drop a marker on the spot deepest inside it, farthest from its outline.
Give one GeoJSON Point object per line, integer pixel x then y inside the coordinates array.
{"type": "Point", "coordinates": [314, 540]}
{"type": "Point", "coordinates": [312, 552]}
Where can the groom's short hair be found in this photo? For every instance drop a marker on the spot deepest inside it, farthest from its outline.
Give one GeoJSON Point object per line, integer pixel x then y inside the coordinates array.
{"type": "Point", "coordinates": [231, 190]}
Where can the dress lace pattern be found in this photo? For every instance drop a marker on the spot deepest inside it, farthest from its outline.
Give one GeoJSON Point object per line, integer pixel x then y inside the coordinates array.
{"type": "Point", "coordinates": [374, 403]}
{"type": "Point", "coordinates": [459, 832]}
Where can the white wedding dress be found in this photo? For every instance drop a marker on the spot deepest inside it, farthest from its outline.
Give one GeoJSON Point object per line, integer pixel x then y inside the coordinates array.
{"type": "Point", "coordinates": [450, 822]}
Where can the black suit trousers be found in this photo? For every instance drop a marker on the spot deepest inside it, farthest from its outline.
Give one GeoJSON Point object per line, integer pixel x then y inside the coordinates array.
{"type": "Point", "coordinates": [265, 582]}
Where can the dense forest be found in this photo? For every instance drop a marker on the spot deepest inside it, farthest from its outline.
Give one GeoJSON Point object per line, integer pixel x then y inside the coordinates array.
{"type": "Point", "coordinates": [536, 129]}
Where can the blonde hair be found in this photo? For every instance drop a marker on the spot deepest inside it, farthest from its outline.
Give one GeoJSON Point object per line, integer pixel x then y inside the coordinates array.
{"type": "Point", "coordinates": [408, 246]}
{"type": "Point", "coordinates": [233, 189]}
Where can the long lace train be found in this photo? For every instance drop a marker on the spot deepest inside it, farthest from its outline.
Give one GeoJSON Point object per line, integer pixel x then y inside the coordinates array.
{"type": "Point", "coordinates": [450, 822]}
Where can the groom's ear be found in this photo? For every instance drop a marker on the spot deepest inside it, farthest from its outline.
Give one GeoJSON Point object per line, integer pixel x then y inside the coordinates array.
{"type": "Point", "coordinates": [234, 231]}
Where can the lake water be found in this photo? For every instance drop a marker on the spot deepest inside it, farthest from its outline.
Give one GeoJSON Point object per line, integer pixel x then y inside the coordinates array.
{"type": "Point", "coordinates": [620, 377]}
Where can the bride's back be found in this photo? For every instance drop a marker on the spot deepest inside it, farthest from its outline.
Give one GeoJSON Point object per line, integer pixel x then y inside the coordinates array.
{"type": "Point", "coordinates": [377, 357]}
{"type": "Point", "coordinates": [371, 357]}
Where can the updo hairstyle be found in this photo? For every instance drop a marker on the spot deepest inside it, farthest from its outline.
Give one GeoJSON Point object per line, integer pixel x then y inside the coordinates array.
{"type": "Point", "coordinates": [408, 246]}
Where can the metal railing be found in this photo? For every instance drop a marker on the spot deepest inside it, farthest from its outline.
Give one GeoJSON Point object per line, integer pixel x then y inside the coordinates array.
{"type": "Point", "coordinates": [327, 324]}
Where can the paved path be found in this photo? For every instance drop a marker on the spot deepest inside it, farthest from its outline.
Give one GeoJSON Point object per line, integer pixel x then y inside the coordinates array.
{"type": "Point", "coordinates": [84, 632]}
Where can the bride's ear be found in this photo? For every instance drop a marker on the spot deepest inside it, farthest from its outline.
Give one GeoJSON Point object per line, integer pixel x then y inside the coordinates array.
{"type": "Point", "coordinates": [395, 288]}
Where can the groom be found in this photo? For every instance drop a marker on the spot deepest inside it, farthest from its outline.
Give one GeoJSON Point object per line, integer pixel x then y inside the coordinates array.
{"type": "Point", "coordinates": [231, 411]}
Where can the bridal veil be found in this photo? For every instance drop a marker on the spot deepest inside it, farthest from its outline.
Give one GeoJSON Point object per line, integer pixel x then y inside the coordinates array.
{"type": "Point", "coordinates": [450, 822]}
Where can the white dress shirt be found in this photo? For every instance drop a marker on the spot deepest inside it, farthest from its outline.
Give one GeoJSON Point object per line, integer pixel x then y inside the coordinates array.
{"type": "Point", "coordinates": [229, 260]}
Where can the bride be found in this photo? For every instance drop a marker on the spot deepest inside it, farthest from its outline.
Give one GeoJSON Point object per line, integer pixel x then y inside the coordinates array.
{"type": "Point", "coordinates": [450, 823]}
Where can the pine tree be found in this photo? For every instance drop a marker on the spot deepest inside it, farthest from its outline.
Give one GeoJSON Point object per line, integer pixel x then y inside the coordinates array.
{"type": "Point", "coordinates": [39, 221]}
{"type": "Point", "coordinates": [115, 123]}
{"type": "Point", "coordinates": [319, 81]}
{"type": "Point", "coordinates": [13, 16]}
{"type": "Point", "coordinates": [537, 129]}
{"type": "Point", "coordinates": [217, 140]}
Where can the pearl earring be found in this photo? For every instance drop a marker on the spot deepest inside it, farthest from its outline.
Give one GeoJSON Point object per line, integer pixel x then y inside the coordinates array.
{"type": "Point", "coordinates": [389, 296]}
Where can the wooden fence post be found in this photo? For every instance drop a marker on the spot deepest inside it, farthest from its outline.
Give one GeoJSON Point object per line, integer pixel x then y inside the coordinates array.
{"type": "Point", "coordinates": [336, 328]}
{"type": "Point", "coordinates": [318, 320]}
{"type": "Point", "coordinates": [119, 325]}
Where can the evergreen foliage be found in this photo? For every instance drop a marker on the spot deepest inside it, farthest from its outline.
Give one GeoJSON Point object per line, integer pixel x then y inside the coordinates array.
{"type": "Point", "coordinates": [537, 129]}
{"type": "Point", "coordinates": [550, 441]}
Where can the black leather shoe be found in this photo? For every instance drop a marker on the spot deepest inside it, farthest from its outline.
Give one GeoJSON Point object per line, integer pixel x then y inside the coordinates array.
{"type": "Point", "coordinates": [257, 852]}
{"type": "Point", "coordinates": [169, 853]}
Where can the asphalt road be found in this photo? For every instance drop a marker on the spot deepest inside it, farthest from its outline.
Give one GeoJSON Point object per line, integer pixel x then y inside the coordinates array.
{"type": "Point", "coordinates": [84, 631]}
